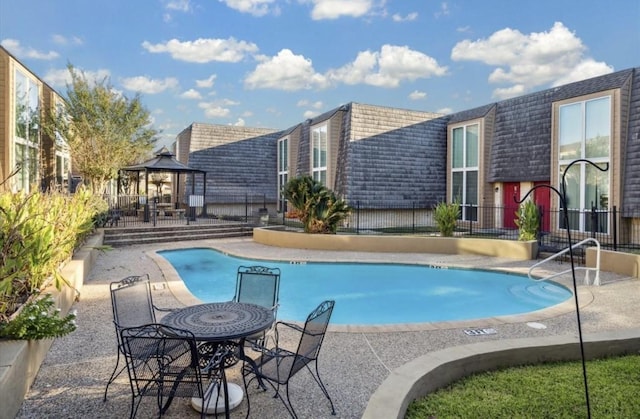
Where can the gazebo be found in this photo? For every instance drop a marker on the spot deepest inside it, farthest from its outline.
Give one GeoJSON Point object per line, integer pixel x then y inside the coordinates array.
{"type": "Point", "coordinates": [164, 162]}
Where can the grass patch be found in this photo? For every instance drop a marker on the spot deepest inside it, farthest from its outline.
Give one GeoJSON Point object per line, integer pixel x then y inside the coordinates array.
{"type": "Point", "coordinates": [554, 390]}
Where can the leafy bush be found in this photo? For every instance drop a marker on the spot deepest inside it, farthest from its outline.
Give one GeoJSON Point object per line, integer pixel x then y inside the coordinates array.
{"type": "Point", "coordinates": [446, 216]}
{"type": "Point", "coordinates": [528, 221]}
{"type": "Point", "coordinates": [38, 232]}
{"type": "Point", "coordinates": [317, 207]}
{"type": "Point", "coordinates": [39, 320]}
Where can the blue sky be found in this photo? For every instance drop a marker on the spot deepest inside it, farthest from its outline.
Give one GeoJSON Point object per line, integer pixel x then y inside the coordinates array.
{"type": "Point", "coordinates": [275, 63]}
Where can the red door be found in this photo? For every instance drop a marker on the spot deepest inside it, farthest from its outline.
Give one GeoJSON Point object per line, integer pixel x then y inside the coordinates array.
{"type": "Point", "coordinates": [510, 190]}
{"type": "Point", "coordinates": [542, 196]}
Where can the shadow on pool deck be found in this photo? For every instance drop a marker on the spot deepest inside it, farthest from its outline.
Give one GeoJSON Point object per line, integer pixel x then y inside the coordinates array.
{"type": "Point", "coordinates": [354, 361]}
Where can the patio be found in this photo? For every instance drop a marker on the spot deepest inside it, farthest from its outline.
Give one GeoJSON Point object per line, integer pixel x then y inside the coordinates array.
{"type": "Point", "coordinates": [353, 362]}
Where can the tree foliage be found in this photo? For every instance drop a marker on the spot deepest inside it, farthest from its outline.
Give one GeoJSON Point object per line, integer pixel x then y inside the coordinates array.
{"type": "Point", "coordinates": [316, 206]}
{"type": "Point", "coordinates": [105, 129]}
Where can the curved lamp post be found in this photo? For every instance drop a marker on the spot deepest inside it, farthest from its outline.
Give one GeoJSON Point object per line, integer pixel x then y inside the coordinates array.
{"type": "Point", "coordinates": [562, 194]}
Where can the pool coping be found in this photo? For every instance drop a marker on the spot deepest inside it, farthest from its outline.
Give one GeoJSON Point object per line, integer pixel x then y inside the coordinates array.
{"type": "Point", "coordinates": [177, 287]}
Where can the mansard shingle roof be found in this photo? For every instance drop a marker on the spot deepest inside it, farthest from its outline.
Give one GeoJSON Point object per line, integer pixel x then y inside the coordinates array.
{"type": "Point", "coordinates": [238, 160]}
{"type": "Point", "coordinates": [521, 143]}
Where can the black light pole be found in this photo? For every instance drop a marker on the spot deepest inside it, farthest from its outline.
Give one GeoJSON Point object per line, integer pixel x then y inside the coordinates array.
{"type": "Point", "coordinates": [563, 204]}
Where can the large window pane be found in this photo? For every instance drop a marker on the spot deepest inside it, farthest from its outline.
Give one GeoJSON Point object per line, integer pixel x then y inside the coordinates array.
{"type": "Point", "coordinates": [458, 148]}
{"type": "Point", "coordinates": [471, 190]}
{"type": "Point", "coordinates": [34, 114]}
{"type": "Point", "coordinates": [570, 131]}
{"type": "Point", "coordinates": [596, 188]}
{"type": "Point", "coordinates": [598, 127]}
{"type": "Point", "coordinates": [323, 150]}
{"type": "Point", "coordinates": [572, 180]}
{"type": "Point", "coordinates": [22, 105]}
{"type": "Point", "coordinates": [456, 184]}
{"type": "Point", "coordinates": [472, 146]}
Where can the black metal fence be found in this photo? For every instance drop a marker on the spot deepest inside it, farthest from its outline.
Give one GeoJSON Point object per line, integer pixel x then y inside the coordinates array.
{"type": "Point", "coordinates": [617, 229]}
{"type": "Point", "coordinates": [614, 228]}
{"type": "Point", "coordinates": [139, 211]}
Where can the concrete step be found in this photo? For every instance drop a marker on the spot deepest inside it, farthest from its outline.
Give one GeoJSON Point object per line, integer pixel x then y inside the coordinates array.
{"type": "Point", "coordinates": [129, 236]}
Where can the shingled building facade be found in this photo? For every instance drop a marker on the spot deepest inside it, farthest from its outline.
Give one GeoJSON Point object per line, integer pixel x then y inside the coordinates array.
{"type": "Point", "coordinates": [486, 158]}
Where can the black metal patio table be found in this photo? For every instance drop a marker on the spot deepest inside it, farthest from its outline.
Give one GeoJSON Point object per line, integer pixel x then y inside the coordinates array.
{"type": "Point", "coordinates": [222, 323]}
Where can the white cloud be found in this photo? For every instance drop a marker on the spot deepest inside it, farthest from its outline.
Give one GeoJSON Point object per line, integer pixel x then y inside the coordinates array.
{"type": "Point", "coordinates": [528, 61]}
{"type": "Point", "coordinates": [191, 94]}
{"type": "Point", "coordinates": [507, 92]}
{"type": "Point", "coordinates": [285, 71]}
{"type": "Point", "coordinates": [388, 67]}
{"type": "Point", "coordinates": [310, 114]}
{"type": "Point", "coordinates": [14, 47]}
{"type": "Point", "coordinates": [239, 123]}
{"type": "Point", "coordinates": [315, 105]}
{"type": "Point", "coordinates": [213, 110]}
{"type": "Point", "coordinates": [445, 111]}
{"type": "Point", "coordinates": [146, 85]}
{"type": "Point", "coordinates": [63, 40]}
{"type": "Point", "coordinates": [178, 5]}
{"type": "Point", "coordinates": [206, 83]}
{"type": "Point", "coordinates": [61, 77]}
{"type": "Point", "coordinates": [204, 50]}
{"type": "Point", "coordinates": [416, 95]}
{"type": "Point", "coordinates": [253, 7]}
{"type": "Point", "coordinates": [587, 69]}
{"type": "Point", "coordinates": [443, 11]}
{"type": "Point", "coordinates": [334, 9]}
{"type": "Point", "coordinates": [408, 18]}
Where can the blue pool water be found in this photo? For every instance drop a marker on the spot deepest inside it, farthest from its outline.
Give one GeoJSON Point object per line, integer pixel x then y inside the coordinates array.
{"type": "Point", "coordinates": [367, 293]}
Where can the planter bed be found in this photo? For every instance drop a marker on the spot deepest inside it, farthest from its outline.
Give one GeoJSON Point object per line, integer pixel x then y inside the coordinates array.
{"type": "Point", "coordinates": [20, 359]}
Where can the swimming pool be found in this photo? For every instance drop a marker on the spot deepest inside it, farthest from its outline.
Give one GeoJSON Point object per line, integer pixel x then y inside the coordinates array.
{"type": "Point", "coordinates": [372, 293]}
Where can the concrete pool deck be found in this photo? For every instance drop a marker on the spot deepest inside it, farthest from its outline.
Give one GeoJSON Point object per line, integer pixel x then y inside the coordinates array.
{"type": "Point", "coordinates": [354, 362]}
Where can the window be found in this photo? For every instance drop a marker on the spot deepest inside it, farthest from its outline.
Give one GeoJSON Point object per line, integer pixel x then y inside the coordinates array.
{"type": "Point", "coordinates": [283, 166]}
{"type": "Point", "coordinates": [585, 133]}
{"type": "Point", "coordinates": [464, 170]}
{"type": "Point", "coordinates": [27, 131]}
{"type": "Point", "coordinates": [319, 154]}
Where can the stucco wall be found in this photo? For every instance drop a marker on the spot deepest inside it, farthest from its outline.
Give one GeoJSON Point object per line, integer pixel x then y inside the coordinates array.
{"type": "Point", "coordinates": [620, 263]}
{"type": "Point", "coordinates": [401, 244]}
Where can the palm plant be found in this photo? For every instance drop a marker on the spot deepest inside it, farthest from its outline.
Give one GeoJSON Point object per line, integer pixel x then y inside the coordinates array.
{"type": "Point", "coordinates": [316, 206]}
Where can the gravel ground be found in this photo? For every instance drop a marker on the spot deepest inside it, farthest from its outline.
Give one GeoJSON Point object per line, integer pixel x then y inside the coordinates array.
{"type": "Point", "coordinates": [353, 361]}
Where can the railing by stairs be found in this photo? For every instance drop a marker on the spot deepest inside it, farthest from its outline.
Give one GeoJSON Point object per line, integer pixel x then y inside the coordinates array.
{"type": "Point", "coordinates": [596, 280]}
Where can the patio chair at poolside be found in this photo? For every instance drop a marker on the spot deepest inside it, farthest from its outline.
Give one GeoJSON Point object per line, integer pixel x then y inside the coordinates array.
{"type": "Point", "coordinates": [258, 285]}
{"type": "Point", "coordinates": [277, 365]}
{"type": "Point", "coordinates": [163, 362]}
{"type": "Point", "coordinates": [132, 305]}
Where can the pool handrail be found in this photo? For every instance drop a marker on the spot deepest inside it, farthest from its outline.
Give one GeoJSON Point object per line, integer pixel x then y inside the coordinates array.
{"type": "Point", "coordinates": [596, 280]}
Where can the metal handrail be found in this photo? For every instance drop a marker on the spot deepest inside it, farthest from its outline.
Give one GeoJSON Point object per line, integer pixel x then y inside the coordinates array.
{"type": "Point", "coordinates": [596, 280]}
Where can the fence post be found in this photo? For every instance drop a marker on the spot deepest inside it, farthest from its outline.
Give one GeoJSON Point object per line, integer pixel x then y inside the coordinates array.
{"type": "Point", "coordinates": [594, 222]}
{"type": "Point", "coordinates": [357, 217]}
{"type": "Point", "coordinates": [283, 205]}
{"type": "Point", "coordinates": [413, 216]}
{"type": "Point", "coordinates": [615, 228]}
{"type": "Point", "coordinates": [246, 208]}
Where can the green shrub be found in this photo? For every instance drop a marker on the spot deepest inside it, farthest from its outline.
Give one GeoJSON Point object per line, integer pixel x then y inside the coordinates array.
{"type": "Point", "coordinates": [317, 207]}
{"type": "Point", "coordinates": [446, 216]}
{"type": "Point", "coordinates": [39, 320]}
{"type": "Point", "coordinates": [528, 221]}
{"type": "Point", "coordinates": [38, 232]}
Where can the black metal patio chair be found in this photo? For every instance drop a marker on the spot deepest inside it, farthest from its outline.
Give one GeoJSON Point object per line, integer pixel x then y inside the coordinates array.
{"type": "Point", "coordinates": [258, 285]}
{"type": "Point", "coordinates": [163, 362]}
{"type": "Point", "coordinates": [277, 365]}
{"type": "Point", "coordinates": [132, 305]}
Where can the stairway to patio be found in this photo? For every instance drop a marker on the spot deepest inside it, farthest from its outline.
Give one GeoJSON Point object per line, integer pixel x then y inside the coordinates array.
{"type": "Point", "coordinates": [161, 234]}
